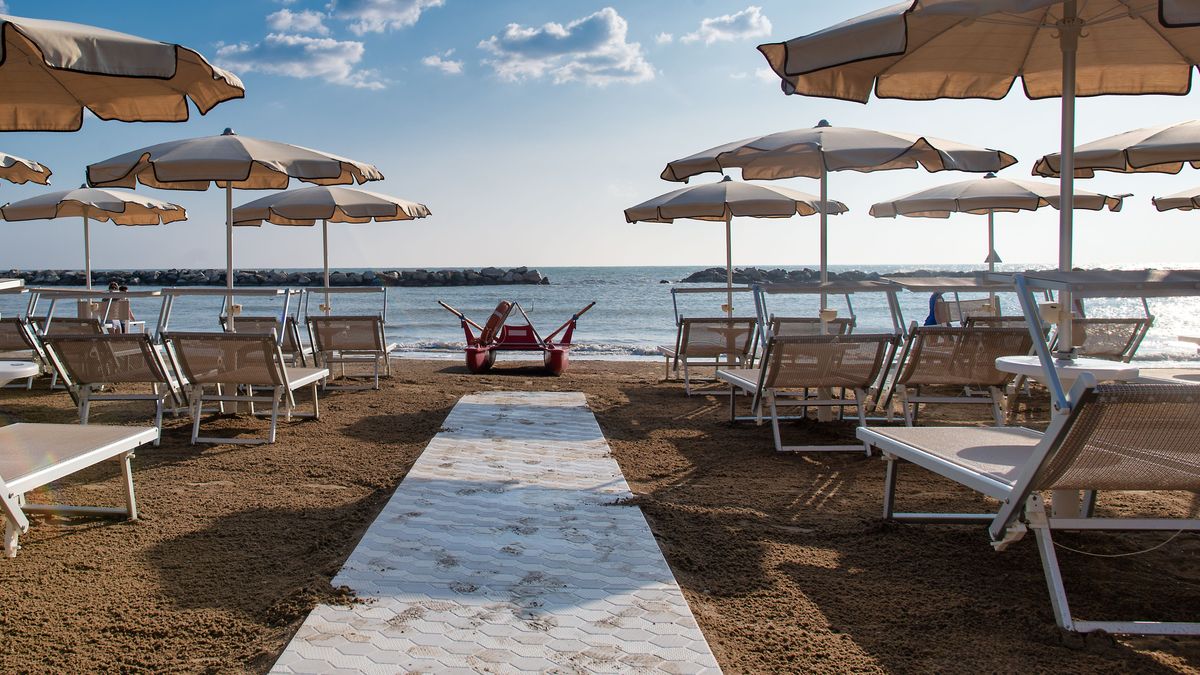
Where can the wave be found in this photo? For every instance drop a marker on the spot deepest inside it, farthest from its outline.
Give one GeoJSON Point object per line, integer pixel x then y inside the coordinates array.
{"type": "Point", "coordinates": [588, 348]}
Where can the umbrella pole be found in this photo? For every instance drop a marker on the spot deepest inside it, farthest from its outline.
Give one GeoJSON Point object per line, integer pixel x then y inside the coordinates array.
{"type": "Point", "coordinates": [1069, 41]}
{"type": "Point", "coordinates": [325, 244]}
{"type": "Point", "coordinates": [229, 309]}
{"type": "Point", "coordinates": [729, 265]}
{"type": "Point", "coordinates": [824, 232]}
{"type": "Point", "coordinates": [87, 252]}
{"type": "Point", "coordinates": [991, 259]}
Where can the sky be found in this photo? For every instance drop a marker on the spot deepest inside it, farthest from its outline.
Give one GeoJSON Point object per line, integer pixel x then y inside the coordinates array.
{"type": "Point", "coordinates": [528, 127]}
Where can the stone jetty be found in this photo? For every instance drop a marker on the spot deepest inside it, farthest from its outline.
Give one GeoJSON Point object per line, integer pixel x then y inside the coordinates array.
{"type": "Point", "coordinates": [754, 275]}
{"type": "Point", "coordinates": [487, 276]}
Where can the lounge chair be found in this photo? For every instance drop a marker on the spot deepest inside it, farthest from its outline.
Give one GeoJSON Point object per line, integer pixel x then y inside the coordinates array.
{"type": "Point", "coordinates": [939, 356]}
{"type": "Point", "coordinates": [1113, 438]}
{"type": "Point", "coordinates": [792, 365]}
{"type": "Point", "coordinates": [19, 343]}
{"type": "Point", "coordinates": [91, 362]}
{"type": "Point", "coordinates": [1115, 339]}
{"type": "Point", "coordinates": [66, 325]}
{"type": "Point", "coordinates": [339, 340]}
{"type": "Point", "coordinates": [233, 364]}
{"type": "Point", "coordinates": [33, 455]}
{"type": "Point", "coordinates": [1017, 321]}
{"type": "Point", "coordinates": [957, 312]}
{"type": "Point", "coordinates": [808, 325]}
{"type": "Point", "coordinates": [709, 342]}
{"type": "Point", "coordinates": [288, 335]}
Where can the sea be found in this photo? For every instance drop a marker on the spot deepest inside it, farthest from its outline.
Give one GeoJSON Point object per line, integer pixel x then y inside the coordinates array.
{"type": "Point", "coordinates": [634, 312]}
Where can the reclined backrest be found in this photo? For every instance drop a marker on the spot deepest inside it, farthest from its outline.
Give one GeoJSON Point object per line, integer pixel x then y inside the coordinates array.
{"type": "Point", "coordinates": [347, 333]}
{"type": "Point", "coordinates": [288, 335]}
{"type": "Point", "coordinates": [803, 361]}
{"type": "Point", "coordinates": [228, 358]}
{"type": "Point", "coordinates": [1128, 437]}
{"type": "Point", "coordinates": [995, 322]}
{"type": "Point", "coordinates": [14, 335]}
{"type": "Point", "coordinates": [956, 312]}
{"type": "Point", "coordinates": [1114, 338]}
{"type": "Point", "coordinates": [107, 359]}
{"type": "Point", "coordinates": [960, 356]}
{"type": "Point", "coordinates": [712, 337]}
{"type": "Point", "coordinates": [795, 325]}
{"type": "Point", "coordinates": [66, 325]}
{"type": "Point", "coordinates": [495, 322]}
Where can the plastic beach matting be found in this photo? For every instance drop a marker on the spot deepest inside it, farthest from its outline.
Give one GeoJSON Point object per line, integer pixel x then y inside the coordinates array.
{"type": "Point", "coordinates": [507, 548]}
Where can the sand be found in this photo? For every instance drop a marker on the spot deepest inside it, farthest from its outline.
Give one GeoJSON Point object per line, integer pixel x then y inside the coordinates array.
{"type": "Point", "coordinates": [783, 558]}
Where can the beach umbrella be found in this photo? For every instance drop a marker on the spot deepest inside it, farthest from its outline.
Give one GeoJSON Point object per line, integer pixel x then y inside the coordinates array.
{"type": "Point", "coordinates": [1184, 201]}
{"type": "Point", "coordinates": [722, 201]}
{"type": "Point", "coordinates": [1164, 149]}
{"type": "Point", "coordinates": [20, 171]}
{"type": "Point", "coordinates": [814, 152]}
{"type": "Point", "coordinates": [986, 196]}
{"type": "Point", "coordinates": [52, 70]}
{"type": "Point", "coordinates": [229, 161]}
{"type": "Point", "coordinates": [932, 49]}
{"type": "Point", "coordinates": [328, 204]}
{"type": "Point", "coordinates": [118, 206]}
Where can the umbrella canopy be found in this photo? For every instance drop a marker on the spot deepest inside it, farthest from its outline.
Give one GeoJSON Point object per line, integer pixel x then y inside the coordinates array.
{"type": "Point", "coordinates": [118, 206]}
{"type": "Point", "coordinates": [52, 70]}
{"type": "Point", "coordinates": [815, 152]}
{"type": "Point", "coordinates": [986, 196]}
{"type": "Point", "coordinates": [337, 204]}
{"type": "Point", "coordinates": [1164, 149]}
{"type": "Point", "coordinates": [931, 49]}
{"type": "Point", "coordinates": [17, 170]}
{"type": "Point", "coordinates": [1184, 201]}
{"type": "Point", "coordinates": [722, 201]}
{"type": "Point", "coordinates": [230, 161]}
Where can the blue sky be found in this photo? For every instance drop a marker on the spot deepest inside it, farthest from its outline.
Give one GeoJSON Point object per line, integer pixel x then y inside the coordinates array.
{"type": "Point", "coordinates": [528, 126]}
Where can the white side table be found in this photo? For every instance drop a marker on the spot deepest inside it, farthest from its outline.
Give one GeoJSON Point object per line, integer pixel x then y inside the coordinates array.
{"type": "Point", "coordinates": [1065, 503]}
{"type": "Point", "coordinates": [11, 371]}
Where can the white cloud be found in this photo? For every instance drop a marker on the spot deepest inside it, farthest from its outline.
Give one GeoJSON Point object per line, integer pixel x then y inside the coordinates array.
{"type": "Point", "coordinates": [592, 50]}
{"type": "Point", "coordinates": [748, 23]}
{"type": "Point", "coordinates": [444, 63]}
{"type": "Point", "coordinates": [664, 38]}
{"type": "Point", "coordinates": [301, 56]}
{"type": "Point", "coordinates": [304, 21]}
{"type": "Point", "coordinates": [766, 75]}
{"type": "Point", "coordinates": [378, 16]}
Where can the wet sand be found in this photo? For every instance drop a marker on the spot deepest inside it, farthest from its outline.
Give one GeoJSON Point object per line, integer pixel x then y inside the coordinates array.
{"type": "Point", "coordinates": [783, 558]}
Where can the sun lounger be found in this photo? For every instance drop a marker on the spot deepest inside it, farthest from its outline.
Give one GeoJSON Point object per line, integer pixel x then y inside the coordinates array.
{"type": "Point", "coordinates": [33, 455]}
{"type": "Point", "coordinates": [995, 322]}
{"type": "Point", "coordinates": [234, 364]}
{"type": "Point", "coordinates": [708, 342]}
{"type": "Point", "coordinates": [288, 335]}
{"type": "Point", "coordinates": [92, 362]}
{"type": "Point", "coordinates": [1115, 339]}
{"type": "Point", "coordinates": [1112, 438]}
{"type": "Point", "coordinates": [66, 325]}
{"type": "Point", "coordinates": [791, 366]}
{"type": "Point", "coordinates": [339, 340]}
{"type": "Point", "coordinates": [18, 343]}
{"type": "Point", "coordinates": [938, 356]}
{"type": "Point", "coordinates": [807, 325]}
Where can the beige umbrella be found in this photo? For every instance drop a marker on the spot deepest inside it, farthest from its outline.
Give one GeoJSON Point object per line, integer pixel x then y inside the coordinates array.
{"type": "Point", "coordinates": [1164, 149]}
{"type": "Point", "coordinates": [986, 196]}
{"type": "Point", "coordinates": [1184, 201]}
{"type": "Point", "coordinates": [20, 171]}
{"type": "Point", "coordinates": [931, 49]}
{"type": "Point", "coordinates": [52, 70]}
{"type": "Point", "coordinates": [327, 204]}
{"type": "Point", "coordinates": [119, 206]}
{"type": "Point", "coordinates": [723, 200]}
{"type": "Point", "coordinates": [229, 161]}
{"type": "Point", "coordinates": [814, 152]}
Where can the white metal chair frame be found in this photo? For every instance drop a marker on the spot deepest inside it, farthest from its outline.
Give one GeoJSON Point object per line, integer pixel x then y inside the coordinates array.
{"type": "Point", "coordinates": [678, 355]}
{"type": "Point", "coordinates": [329, 355]}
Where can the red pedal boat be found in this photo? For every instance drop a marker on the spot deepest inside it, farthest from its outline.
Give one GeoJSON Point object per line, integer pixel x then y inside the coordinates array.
{"type": "Point", "coordinates": [497, 335]}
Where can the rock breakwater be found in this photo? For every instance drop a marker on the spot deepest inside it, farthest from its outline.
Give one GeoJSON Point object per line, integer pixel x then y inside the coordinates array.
{"type": "Point", "coordinates": [487, 276]}
{"type": "Point", "coordinates": [754, 275]}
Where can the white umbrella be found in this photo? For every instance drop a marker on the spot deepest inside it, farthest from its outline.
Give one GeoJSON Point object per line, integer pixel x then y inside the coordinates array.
{"type": "Point", "coordinates": [52, 70]}
{"type": "Point", "coordinates": [1184, 201]}
{"type": "Point", "coordinates": [814, 152]}
{"type": "Point", "coordinates": [327, 204]}
{"type": "Point", "coordinates": [119, 206]}
{"type": "Point", "coordinates": [229, 161]}
{"type": "Point", "coordinates": [1164, 149]}
{"type": "Point", "coordinates": [20, 171]}
{"type": "Point", "coordinates": [932, 49]}
{"type": "Point", "coordinates": [723, 200]}
{"type": "Point", "coordinates": [986, 196]}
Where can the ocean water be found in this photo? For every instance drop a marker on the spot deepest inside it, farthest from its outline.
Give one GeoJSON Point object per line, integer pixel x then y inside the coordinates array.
{"type": "Point", "coordinates": [633, 312]}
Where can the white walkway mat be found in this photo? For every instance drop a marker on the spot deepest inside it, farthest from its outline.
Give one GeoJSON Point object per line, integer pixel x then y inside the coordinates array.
{"type": "Point", "coordinates": [505, 549]}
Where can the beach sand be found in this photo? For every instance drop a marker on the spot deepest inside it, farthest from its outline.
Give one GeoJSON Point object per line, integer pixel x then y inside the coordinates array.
{"type": "Point", "coordinates": [783, 558]}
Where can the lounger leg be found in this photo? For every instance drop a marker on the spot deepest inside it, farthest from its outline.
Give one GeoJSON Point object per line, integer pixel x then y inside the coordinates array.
{"type": "Point", "coordinates": [732, 404]}
{"type": "Point", "coordinates": [889, 487]}
{"type": "Point", "coordinates": [197, 398]}
{"type": "Point", "coordinates": [687, 380]}
{"type": "Point", "coordinates": [316, 403]}
{"type": "Point", "coordinates": [274, 414]}
{"type": "Point", "coordinates": [1054, 582]}
{"type": "Point", "coordinates": [11, 535]}
{"type": "Point", "coordinates": [775, 424]}
{"type": "Point", "coordinates": [85, 403]}
{"type": "Point", "coordinates": [997, 405]}
{"type": "Point", "coordinates": [158, 417]}
{"type": "Point", "coordinates": [861, 395]}
{"type": "Point", "coordinates": [667, 368]}
{"type": "Point", "coordinates": [904, 405]}
{"type": "Point", "coordinates": [127, 474]}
